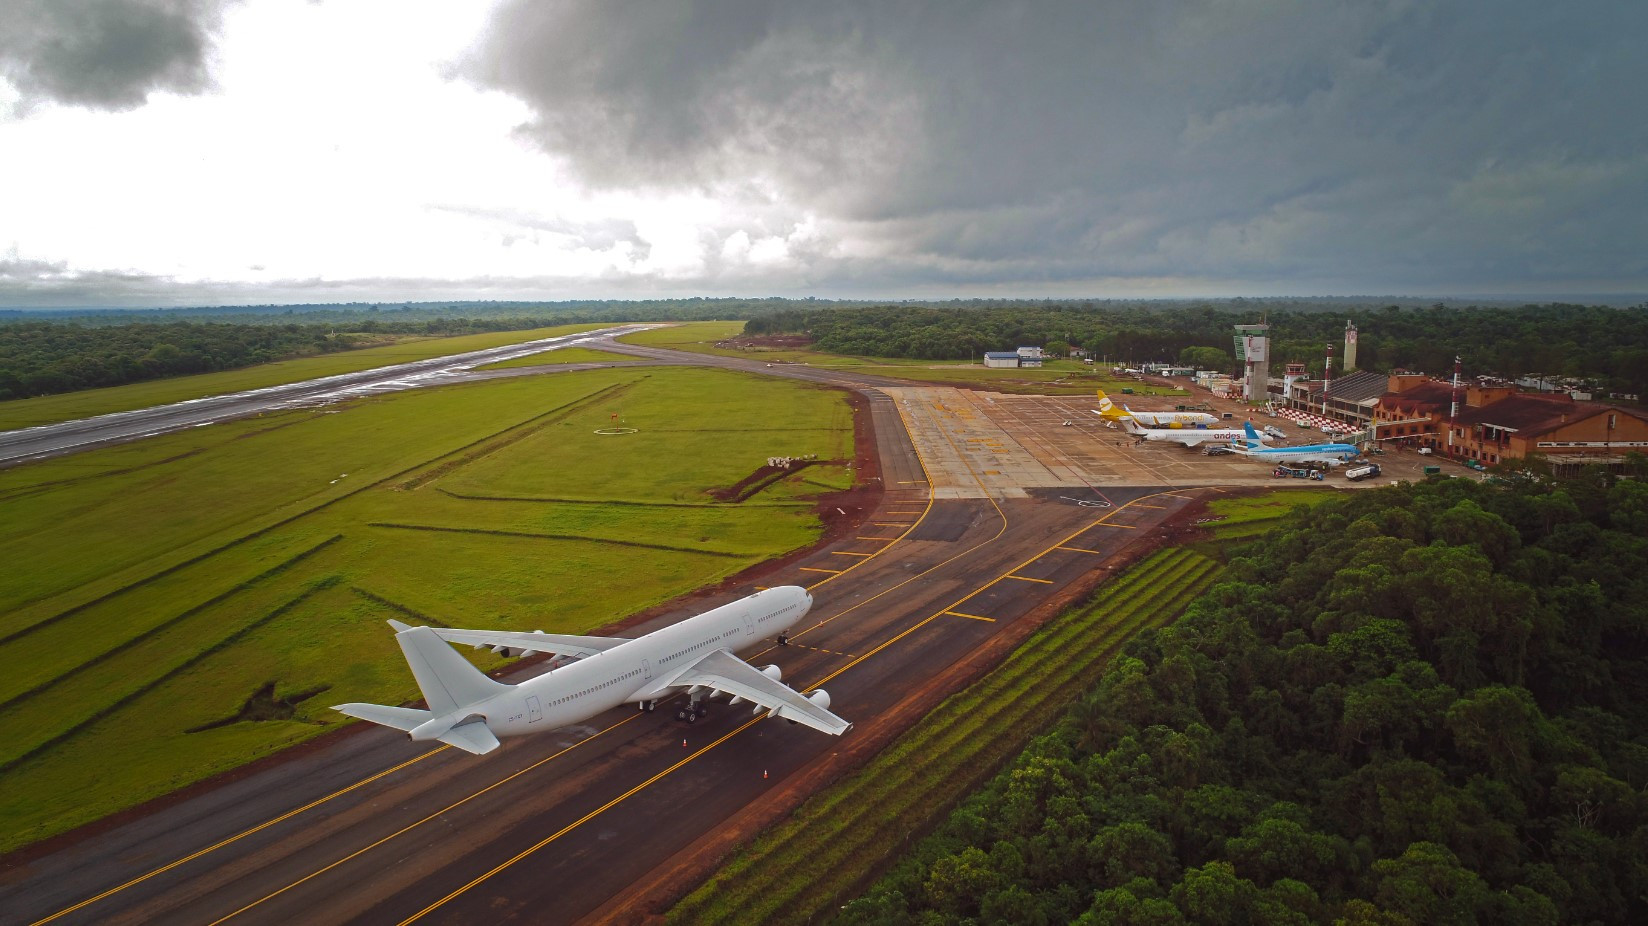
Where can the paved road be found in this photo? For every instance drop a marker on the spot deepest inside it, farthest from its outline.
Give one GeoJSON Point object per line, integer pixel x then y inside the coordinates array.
{"type": "Point", "coordinates": [70, 436]}
{"type": "Point", "coordinates": [585, 823]}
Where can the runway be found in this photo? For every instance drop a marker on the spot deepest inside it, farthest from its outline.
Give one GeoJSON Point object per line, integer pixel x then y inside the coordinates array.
{"type": "Point", "coordinates": [601, 821]}
{"type": "Point", "coordinates": [50, 440]}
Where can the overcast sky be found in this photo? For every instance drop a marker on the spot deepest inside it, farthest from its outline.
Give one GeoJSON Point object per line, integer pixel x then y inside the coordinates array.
{"type": "Point", "coordinates": [202, 152]}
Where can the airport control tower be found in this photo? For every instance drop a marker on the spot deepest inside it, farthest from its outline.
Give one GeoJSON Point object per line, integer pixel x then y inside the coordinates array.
{"type": "Point", "coordinates": [1253, 353]}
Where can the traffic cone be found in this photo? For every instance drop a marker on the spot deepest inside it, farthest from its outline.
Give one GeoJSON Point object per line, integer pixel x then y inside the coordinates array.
{"type": "Point", "coordinates": [763, 774]}
{"type": "Point", "coordinates": [683, 742]}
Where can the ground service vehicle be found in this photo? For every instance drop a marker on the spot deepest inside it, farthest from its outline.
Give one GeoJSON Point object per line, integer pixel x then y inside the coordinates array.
{"type": "Point", "coordinates": [1365, 471]}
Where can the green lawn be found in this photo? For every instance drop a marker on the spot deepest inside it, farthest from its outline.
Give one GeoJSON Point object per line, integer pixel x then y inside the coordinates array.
{"type": "Point", "coordinates": [1057, 377]}
{"type": "Point", "coordinates": [1250, 516]}
{"type": "Point", "coordinates": [23, 413]}
{"type": "Point", "coordinates": [151, 588]}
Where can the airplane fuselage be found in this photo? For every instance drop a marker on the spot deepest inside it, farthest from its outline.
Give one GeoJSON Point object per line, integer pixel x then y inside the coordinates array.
{"type": "Point", "coordinates": [1314, 453]}
{"type": "Point", "coordinates": [641, 669]}
{"type": "Point", "coordinates": [1191, 437]}
{"type": "Point", "coordinates": [1172, 419]}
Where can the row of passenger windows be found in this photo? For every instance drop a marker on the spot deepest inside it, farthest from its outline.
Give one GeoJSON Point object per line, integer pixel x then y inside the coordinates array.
{"type": "Point", "coordinates": [731, 632]}
{"type": "Point", "coordinates": [630, 674]}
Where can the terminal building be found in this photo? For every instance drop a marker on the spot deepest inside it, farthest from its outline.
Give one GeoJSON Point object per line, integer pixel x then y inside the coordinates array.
{"type": "Point", "coordinates": [1495, 424]}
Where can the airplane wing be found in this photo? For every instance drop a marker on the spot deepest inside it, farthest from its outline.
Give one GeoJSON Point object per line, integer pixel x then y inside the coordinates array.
{"type": "Point", "coordinates": [723, 671]}
{"type": "Point", "coordinates": [561, 644]}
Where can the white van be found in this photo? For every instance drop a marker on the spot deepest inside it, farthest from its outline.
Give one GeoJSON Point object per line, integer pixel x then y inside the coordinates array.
{"type": "Point", "coordinates": [1275, 432]}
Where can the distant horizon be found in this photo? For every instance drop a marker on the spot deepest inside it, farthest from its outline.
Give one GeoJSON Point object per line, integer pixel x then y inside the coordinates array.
{"type": "Point", "coordinates": [1453, 300]}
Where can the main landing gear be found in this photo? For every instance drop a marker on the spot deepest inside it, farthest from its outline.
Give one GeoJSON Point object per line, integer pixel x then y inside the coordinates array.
{"type": "Point", "coordinates": [692, 712]}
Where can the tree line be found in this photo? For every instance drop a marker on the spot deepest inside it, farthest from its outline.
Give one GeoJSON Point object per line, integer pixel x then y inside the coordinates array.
{"type": "Point", "coordinates": [1423, 704]}
{"type": "Point", "coordinates": [44, 358]}
{"type": "Point", "coordinates": [1609, 344]}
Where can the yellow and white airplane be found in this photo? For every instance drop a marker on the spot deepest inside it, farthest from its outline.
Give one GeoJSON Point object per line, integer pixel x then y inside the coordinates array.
{"type": "Point", "coordinates": [695, 657]}
{"type": "Point", "coordinates": [1110, 410]}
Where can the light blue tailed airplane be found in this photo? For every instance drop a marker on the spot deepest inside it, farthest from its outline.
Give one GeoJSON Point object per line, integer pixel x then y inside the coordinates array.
{"type": "Point", "coordinates": [1321, 453]}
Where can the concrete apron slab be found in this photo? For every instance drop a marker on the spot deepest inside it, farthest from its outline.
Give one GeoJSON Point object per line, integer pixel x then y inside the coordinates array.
{"type": "Point", "coordinates": [982, 444]}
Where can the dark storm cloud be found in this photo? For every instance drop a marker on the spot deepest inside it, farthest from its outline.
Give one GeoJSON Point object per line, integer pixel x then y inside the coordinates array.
{"type": "Point", "coordinates": [1314, 145]}
{"type": "Point", "coordinates": [105, 54]}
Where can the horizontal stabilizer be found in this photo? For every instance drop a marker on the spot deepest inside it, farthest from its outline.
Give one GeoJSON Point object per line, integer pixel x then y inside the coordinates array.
{"type": "Point", "coordinates": [471, 737]}
{"type": "Point", "coordinates": [401, 718]}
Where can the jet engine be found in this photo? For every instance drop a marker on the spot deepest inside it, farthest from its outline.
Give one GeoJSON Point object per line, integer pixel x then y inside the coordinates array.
{"type": "Point", "coordinates": [774, 673]}
{"type": "Point", "coordinates": [820, 699]}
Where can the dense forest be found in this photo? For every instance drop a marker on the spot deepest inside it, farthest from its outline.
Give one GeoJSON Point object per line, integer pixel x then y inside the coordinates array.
{"type": "Point", "coordinates": [1423, 704]}
{"type": "Point", "coordinates": [42, 358]}
{"type": "Point", "coordinates": [1608, 344]}
{"type": "Point", "coordinates": [61, 350]}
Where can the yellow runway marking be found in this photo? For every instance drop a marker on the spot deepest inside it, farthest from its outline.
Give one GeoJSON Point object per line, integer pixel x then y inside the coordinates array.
{"type": "Point", "coordinates": [1157, 507]}
{"type": "Point", "coordinates": [820, 649]}
{"type": "Point", "coordinates": [579, 822]}
{"type": "Point", "coordinates": [256, 829]}
{"type": "Point", "coordinates": [971, 617]}
{"type": "Point", "coordinates": [1028, 579]}
{"type": "Point", "coordinates": [833, 572]}
{"type": "Point", "coordinates": [892, 523]}
{"type": "Point", "coordinates": [1125, 527]}
{"type": "Point", "coordinates": [878, 538]}
{"type": "Point", "coordinates": [1081, 550]}
{"type": "Point", "coordinates": [359, 852]}
{"type": "Point", "coordinates": [848, 553]}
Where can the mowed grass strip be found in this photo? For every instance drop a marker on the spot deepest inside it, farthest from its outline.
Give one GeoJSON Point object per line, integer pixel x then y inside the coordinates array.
{"type": "Point", "coordinates": [170, 552]}
{"type": "Point", "coordinates": [1250, 516]}
{"type": "Point", "coordinates": [1056, 377]}
{"type": "Point", "coordinates": [798, 871]}
{"type": "Point", "coordinates": [70, 546]}
{"type": "Point", "coordinates": [26, 413]}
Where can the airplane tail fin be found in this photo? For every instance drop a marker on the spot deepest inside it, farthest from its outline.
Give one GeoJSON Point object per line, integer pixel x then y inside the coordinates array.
{"type": "Point", "coordinates": [1252, 435]}
{"type": "Point", "coordinates": [449, 684]}
{"type": "Point", "coordinates": [1107, 408]}
{"type": "Point", "coordinates": [447, 680]}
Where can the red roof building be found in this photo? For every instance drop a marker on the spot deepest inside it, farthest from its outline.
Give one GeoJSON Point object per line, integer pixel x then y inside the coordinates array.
{"type": "Point", "coordinates": [1498, 423]}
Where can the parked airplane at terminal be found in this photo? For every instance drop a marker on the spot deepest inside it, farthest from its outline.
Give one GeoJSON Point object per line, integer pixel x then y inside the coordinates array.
{"type": "Point", "coordinates": [1109, 409]}
{"type": "Point", "coordinates": [1321, 453]}
{"type": "Point", "coordinates": [1190, 437]}
{"type": "Point", "coordinates": [470, 711]}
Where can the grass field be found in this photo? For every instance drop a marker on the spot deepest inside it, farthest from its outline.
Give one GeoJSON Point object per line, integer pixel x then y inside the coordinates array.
{"type": "Point", "coordinates": [152, 588]}
{"type": "Point", "coordinates": [1242, 518]}
{"type": "Point", "coordinates": [803, 869]}
{"type": "Point", "coordinates": [563, 355]}
{"type": "Point", "coordinates": [24, 413]}
{"type": "Point", "coordinates": [1057, 377]}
